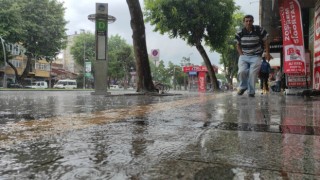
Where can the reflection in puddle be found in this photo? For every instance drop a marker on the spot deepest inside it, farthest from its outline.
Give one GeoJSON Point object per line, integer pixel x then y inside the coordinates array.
{"type": "Point", "coordinates": [286, 129]}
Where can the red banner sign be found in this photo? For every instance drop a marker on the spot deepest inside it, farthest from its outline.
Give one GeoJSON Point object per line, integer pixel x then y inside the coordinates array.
{"type": "Point", "coordinates": [198, 68]}
{"type": "Point", "coordinates": [292, 35]}
{"type": "Point", "coordinates": [202, 81]}
{"type": "Point", "coordinates": [316, 65]}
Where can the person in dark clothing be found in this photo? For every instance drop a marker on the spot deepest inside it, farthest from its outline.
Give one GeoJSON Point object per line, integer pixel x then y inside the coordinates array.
{"type": "Point", "coordinates": [264, 75]}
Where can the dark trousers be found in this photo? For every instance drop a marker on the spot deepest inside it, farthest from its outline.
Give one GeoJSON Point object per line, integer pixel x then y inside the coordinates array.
{"type": "Point", "coordinates": [264, 80]}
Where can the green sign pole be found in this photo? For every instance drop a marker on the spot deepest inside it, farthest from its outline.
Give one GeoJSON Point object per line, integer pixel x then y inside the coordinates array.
{"type": "Point", "coordinates": [100, 77]}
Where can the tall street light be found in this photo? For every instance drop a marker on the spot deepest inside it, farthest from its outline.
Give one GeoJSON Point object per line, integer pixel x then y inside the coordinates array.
{"type": "Point", "coordinates": [84, 59]}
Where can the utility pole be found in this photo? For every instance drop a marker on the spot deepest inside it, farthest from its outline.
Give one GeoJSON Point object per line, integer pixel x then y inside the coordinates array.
{"type": "Point", "coordinates": [84, 64]}
{"type": "Point", "coordinates": [82, 31]}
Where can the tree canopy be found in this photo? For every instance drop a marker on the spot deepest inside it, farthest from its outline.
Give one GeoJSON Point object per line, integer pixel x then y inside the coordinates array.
{"type": "Point", "coordinates": [195, 21]}
{"type": "Point", "coordinates": [38, 25]}
{"type": "Point", "coordinates": [120, 54]}
{"type": "Point", "coordinates": [229, 55]}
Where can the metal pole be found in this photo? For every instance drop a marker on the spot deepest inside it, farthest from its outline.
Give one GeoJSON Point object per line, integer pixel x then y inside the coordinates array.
{"type": "Point", "coordinates": [155, 69]}
{"type": "Point", "coordinates": [84, 64]}
{"type": "Point", "coordinates": [5, 62]}
{"type": "Point", "coordinates": [174, 78]}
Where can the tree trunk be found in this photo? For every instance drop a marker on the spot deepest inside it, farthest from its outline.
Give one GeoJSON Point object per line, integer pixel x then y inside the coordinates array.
{"type": "Point", "coordinates": [26, 70]}
{"type": "Point", "coordinates": [144, 81]}
{"type": "Point", "coordinates": [14, 69]}
{"type": "Point", "coordinates": [212, 75]}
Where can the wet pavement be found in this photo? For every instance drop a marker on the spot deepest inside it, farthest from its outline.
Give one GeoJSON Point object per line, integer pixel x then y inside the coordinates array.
{"type": "Point", "coordinates": [74, 135]}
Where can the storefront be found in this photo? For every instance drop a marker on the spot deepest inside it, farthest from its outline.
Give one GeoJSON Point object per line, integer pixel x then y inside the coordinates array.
{"type": "Point", "coordinates": [282, 20]}
{"type": "Point", "coordinates": [197, 77]}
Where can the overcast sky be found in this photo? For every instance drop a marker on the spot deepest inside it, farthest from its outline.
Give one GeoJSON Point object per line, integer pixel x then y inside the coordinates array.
{"type": "Point", "coordinates": [173, 50]}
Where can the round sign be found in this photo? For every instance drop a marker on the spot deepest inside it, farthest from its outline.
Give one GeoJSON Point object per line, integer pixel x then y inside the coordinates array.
{"type": "Point", "coordinates": [155, 52]}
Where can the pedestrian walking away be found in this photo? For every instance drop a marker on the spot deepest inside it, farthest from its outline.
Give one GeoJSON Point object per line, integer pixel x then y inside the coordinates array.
{"type": "Point", "coordinates": [264, 75]}
{"type": "Point", "coordinates": [252, 41]}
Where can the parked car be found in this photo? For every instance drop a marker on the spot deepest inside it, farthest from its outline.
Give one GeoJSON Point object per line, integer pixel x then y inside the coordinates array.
{"type": "Point", "coordinates": [66, 84]}
{"type": "Point", "coordinates": [14, 85]}
{"type": "Point", "coordinates": [114, 87]}
{"type": "Point", "coordinates": [38, 85]}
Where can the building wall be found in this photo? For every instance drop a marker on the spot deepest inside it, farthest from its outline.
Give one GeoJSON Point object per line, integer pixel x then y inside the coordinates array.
{"type": "Point", "coordinates": [69, 63]}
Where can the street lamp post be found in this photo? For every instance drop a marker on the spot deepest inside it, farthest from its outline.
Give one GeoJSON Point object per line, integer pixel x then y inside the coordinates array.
{"type": "Point", "coordinates": [155, 68]}
{"type": "Point", "coordinates": [174, 78]}
{"type": "Point", "coordinates": [84, 57]}
{"type": "Point", "coordinates": [84, 64]}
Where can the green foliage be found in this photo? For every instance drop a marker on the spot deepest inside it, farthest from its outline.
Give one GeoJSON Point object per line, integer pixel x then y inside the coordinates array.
{"type": "Point", "coordinates": [38, 25]}
{"type": "Point", "coordinates": [176, 72]}
{"type": "Point", "coordinates": [121, 59]}
{"type": "Point", "coordinates": [120, 54]}
{"type": "Point", "coordinates": [229, 56]}
{"type": "Point", "coordinates": [195, 21]}
{"type": "Point", "coordinates": [191, 20]}
{"type": "Point", "coordinates": [221, 76]}
{"type": "Point", "coordinates": [11, 20]}
{"type": "Point", "coordinates": [83, 48]}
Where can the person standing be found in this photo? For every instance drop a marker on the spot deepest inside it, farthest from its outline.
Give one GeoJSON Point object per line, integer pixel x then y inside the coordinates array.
{"type": "Point", "coordinates": [252, 41]}
{"type": "Point", "coordinates": [278, 80]}
{"type": "Point", "coordinates": [264, 75]}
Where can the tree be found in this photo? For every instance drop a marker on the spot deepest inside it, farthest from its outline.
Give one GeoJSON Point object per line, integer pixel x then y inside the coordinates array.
{"type": "Point", "coordinates": [120, 54]}
{"type": "Point", "coordinates": [39, 27]}
{"type": "Point", "coordinates": [83, 48]}
{"type": "Point", "coordinates": [178, 75]}
{"type": "Point", "coordinates": [194, 21]}
{"type": "Point", "coordinates": [144, 82]}
{"type": "Point", "coordinates": [229, 55]}
{"type": "Point", "coordinates": [10, 12]}
{"type": "Point", "coordinates": [120, 58]}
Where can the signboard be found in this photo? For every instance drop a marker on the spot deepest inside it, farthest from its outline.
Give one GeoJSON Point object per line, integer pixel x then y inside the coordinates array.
{"type": "Point", "coordinates": [316, 64]}
{"type": "Point", "coordinates": [292, 33]}
{"type": "Point", "coordinates": [202, 81]}
{"type": "Point", "coordinates": [88, 67]}
{"type": "Point", "coordinates": [101, 30]}
{"type": "Point", "coordinates": [275, 46]}
{"type": "Point", "coordinates": [300, 79]}
{"type": "Point", "coordinates": [155, 53]}
{"type": "Point", "coordinates": [198, 68]}
{"type": "Point", "coordinates": [101, 26]}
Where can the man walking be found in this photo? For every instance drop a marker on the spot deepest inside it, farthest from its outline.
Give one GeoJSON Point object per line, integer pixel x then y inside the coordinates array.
{"type": "Point", "coordinates": [251, 43]}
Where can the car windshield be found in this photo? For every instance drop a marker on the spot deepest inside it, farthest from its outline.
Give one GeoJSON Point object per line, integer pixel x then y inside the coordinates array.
{"type": "Point", "coordinates": [61, 82]}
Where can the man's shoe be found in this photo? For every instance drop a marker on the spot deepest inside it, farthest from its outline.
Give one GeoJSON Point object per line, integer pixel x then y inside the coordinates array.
{"type": "Point", "coordinates": [241, 91]}
{"type": "Point", "coordinates": [251, 95]}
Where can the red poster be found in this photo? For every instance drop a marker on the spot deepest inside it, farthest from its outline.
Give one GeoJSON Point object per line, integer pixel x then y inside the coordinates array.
{"type": "Point", "coordinates": [292, 35]}
{"type": "Point", "coordinates": [316, 65]}
{"type": "Point", "coordinates": [202, 81]}
{"type": "Point", "coordinates": [299, 79]}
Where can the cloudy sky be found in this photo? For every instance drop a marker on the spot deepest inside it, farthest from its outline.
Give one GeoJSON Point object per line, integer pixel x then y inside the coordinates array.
{"type": "Point", "coordinates": [173, 50]}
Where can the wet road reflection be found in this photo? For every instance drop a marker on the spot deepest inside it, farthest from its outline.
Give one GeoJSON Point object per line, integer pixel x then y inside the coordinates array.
{"type": "Point", "coordinates": [192, 136]}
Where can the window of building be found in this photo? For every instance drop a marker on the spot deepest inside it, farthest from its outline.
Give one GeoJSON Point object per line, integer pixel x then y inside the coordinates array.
{"type": "Point", "coordinates": [16, 63]}
{"type": "Point", "coordinates": [44, 67]}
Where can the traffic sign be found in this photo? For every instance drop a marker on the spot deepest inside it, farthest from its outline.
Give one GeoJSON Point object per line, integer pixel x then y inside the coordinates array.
{"type": "Point", "coordinates": [102, 25]}
{"type": "Point", "coordinates": [155, 53]}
